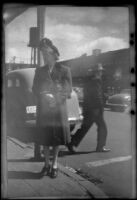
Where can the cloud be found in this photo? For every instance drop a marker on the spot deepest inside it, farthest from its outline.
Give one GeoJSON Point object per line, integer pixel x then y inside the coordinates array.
{"type": "Point", "coordinates": [12, 52]}
{"type": "Point", "coordinates": [75, 40]}
{"type": "Point", "coordinates": [70, 32]}
{"type": "Point", "coordinates": [103, 18]}
{"type": "Point", "coordinates": [18, 29]}
{"type": "Point", "coordinates": [88, 15]}
{"type": "Point", "coordinates": [68, 38]}
{"type": "Point", "coordinates": [118, 15]}
{"type": "Point", "coordinates": [23, 55]}
{"type": "Point", "coordinates": [105, 44]}
{"type": "Point", "coordinates": [74, 30]}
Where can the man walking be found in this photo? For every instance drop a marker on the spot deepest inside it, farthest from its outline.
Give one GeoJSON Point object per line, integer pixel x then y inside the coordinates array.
{"type": "Point", "coordinates": [93, 107]}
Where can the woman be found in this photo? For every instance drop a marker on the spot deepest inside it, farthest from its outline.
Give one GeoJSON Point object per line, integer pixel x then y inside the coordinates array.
{"type": "Point", "coordinates": [52, 85]}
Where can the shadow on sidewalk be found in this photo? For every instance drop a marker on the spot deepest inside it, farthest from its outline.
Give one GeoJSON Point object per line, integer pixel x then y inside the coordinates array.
{"type": "Point", "coordinates": [67, 153]}
{"type": "Point", "coordinates": [61, 154]}
{"type": "Point", "coordinates": [27, 160]}
{"type": "Point", "coordinates": [24, 175]}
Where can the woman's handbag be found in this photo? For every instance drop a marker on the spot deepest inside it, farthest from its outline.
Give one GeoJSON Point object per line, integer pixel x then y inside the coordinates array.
{"type": "Point", "coordinates": [48, 99]}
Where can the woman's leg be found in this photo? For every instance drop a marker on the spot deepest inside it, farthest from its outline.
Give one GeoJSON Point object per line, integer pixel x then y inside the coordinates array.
{"type": "Point", "coordinates": [47, 155]}
{"type": "Point", "coordinates": [55, 156]}
{"type": "Point", "coordinates": [46, 168]}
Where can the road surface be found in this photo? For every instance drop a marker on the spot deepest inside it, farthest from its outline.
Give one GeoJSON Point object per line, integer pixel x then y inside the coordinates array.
{"type": "Point", "coordinates": [113, 172]}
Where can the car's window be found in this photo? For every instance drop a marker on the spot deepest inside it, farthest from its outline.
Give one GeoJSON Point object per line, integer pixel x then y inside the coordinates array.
{"type": "Point", "coordinates": [17, 83]}
{"type": "Point", "coordinates": [9, 83]}
{"type": "Point", "coordinates": [128, 91]}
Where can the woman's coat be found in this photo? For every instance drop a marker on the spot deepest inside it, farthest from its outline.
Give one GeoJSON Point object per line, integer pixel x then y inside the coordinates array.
{"type": "Point", "coordinates": [51, 91]}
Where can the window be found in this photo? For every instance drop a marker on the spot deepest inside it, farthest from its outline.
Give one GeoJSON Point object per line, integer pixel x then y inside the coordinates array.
{"type": "Point", "coordinates": [10, 83]}
{"type": "Point", "coordinates": [17, 83]}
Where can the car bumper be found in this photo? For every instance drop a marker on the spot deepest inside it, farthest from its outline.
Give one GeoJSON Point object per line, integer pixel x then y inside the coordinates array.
{"type": "Point", "coordinates": [31, 116]}
{"type": "Point", "coordinates": [72, 121]}
{"type": "Point", "coordinates": [116, 106]}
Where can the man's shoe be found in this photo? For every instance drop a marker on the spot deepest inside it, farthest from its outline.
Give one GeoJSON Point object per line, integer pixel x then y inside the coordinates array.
{"type": "Point", "coordinates": [103, 149]}
{"type": "Point", "coordinates": [71, 148]}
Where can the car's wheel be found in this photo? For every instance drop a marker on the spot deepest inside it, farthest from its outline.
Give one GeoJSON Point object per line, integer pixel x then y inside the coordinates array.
{"type": "Point", "coordinates": [123, 109]}
{"type": "Point", "coordinates": [127, 110]}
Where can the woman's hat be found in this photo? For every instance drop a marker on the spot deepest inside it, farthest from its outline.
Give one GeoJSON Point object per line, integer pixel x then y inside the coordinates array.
{"type": "Point", "coordinates": [47, 43]}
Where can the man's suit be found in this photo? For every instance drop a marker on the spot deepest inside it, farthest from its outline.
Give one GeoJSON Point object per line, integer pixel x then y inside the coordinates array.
{"type": "Point", "coordinates": [92, 112]}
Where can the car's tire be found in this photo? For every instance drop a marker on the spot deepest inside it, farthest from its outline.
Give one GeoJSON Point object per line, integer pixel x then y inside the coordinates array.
{"type": "Point", "coordinates": [123, 109]}
{"type": "Point", "coordinates": [127, 110]}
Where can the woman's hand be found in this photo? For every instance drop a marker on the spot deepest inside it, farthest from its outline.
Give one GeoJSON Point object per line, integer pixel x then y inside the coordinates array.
{"type": "Point", "coordinates": [51, 100]}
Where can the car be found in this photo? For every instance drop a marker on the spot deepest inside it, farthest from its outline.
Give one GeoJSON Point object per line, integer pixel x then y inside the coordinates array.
{"type": "Point", "coordinates": [120, 102]}
{"type": "Point", "coordinates": [79, 91]}
{"type": "Point", "coordinates": [21, 105]}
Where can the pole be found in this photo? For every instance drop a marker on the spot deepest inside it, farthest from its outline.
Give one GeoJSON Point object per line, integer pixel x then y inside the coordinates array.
{"type": "Point", "coordinates": [31, 55]}
{"type": "Point", "coordinates": [41, 10]}
{"type": "Point", "coordinates": [34, 56]}
{"type": "Point", "coordinates": [41, 28]}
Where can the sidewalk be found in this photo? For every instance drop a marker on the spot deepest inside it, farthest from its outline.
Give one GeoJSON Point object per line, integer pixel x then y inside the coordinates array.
{"type": "Point", "coordinates": [25, 181]}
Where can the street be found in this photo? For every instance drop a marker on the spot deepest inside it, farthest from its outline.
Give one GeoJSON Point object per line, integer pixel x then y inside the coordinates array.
{"type": "Point", "coordinates": [113, 171]}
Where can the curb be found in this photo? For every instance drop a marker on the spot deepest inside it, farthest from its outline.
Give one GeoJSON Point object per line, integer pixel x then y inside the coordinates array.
{"type": "Point", "coordinates": [17, 142]}
{"type": "Point", "coordinates": [91, 189]}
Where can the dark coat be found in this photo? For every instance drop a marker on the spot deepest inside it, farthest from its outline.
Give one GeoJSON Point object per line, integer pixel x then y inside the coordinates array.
{"type": "Point", "coordinates": [93, 94]}
{"type": "Point", "coordinates": [52, 120]}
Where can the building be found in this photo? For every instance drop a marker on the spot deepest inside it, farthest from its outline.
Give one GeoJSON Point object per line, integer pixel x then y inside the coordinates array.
{"type": "Point", "coordinates": [117, 74]}
{"type": "Point", "coordinates": [116, 64]}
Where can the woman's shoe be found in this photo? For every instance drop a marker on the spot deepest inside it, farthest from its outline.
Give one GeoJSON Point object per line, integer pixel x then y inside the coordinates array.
{"type": "Point", "coordinates": [45, 170]}
{"type": "Point", "coordinates": [54, 173]}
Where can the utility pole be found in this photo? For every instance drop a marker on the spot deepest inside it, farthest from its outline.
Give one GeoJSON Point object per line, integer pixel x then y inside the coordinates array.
{"type": "Point", "coordinates": [41, 10]}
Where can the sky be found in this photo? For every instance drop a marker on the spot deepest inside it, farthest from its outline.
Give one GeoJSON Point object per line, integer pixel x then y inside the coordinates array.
{"type": "Point", "coordinates": [73, 30]}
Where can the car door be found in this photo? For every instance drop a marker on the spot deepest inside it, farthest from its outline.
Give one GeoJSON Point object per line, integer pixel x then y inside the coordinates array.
{"type": "Point", "coordinates": [15, 106]}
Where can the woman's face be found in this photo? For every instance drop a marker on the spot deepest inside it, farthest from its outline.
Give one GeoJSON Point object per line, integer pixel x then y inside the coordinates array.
{"type": "Point", "coordinates": [48, 56]}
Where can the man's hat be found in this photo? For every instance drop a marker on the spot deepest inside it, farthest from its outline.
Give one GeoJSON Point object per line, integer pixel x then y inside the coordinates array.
{"type": "Point", "coordinates": [47, 43]}
{"type": "Point", "coordinates": [98, 67]}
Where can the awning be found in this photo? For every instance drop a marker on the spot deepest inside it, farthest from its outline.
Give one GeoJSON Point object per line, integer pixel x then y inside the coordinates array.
{"type": "Point", "coordinates": [11, 11]}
